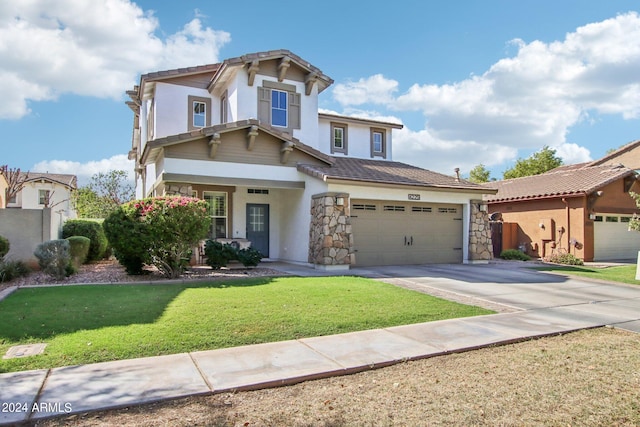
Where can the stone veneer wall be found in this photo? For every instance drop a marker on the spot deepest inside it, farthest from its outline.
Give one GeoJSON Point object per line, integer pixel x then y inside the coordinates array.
{"type": "Point", "coordinates": [178, 190]}
{"type": "Point", "coordinates": [330, 237]}
{"type": "Point", "coordinates": [480, 245]}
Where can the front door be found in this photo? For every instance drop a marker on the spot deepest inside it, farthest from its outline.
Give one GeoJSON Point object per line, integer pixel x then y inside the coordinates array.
{"type": "Point", "coordinates": [258, 227]}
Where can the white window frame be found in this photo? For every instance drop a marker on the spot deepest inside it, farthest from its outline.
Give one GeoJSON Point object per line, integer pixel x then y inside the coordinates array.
{"type": "Point", "coordinates": [206, 195]}
{"type": "Point", "coordinates": [202, 114]}
{"type": "Point", "coordinates": [280, 108]}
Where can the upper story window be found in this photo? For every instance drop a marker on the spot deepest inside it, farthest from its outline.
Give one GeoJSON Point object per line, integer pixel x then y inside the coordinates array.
{"type": "Point", "coordinates": [43, 197]}
{"type": "Point", "coordinates": [339, 138]}
{"type": "Point", "coordinates": [199, 112]}
{"type": "Point", "coordinates": [279, 105]}
{"type": "Point", "coordinates": [224, 108]}
{"type": "Point", "coordinates": [279, 108]}
{"type": "Point", "coordinates": [378, 143]}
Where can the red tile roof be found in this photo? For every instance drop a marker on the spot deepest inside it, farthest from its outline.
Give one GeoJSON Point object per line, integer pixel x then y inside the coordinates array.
{"type": "Point", "coordinates": [559, 182]}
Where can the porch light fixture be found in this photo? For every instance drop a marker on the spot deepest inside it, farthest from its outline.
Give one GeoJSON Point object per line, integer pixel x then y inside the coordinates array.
{"type": "Point", "coordinates": [340, 201]}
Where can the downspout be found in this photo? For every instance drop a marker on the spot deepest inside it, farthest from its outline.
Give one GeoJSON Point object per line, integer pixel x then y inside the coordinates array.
{"type": "Point", "coordinates": [564, 200]}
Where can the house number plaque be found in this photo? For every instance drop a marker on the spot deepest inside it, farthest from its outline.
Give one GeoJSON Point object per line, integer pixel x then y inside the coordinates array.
{"type": "Point", "coordinates": [414, 197]}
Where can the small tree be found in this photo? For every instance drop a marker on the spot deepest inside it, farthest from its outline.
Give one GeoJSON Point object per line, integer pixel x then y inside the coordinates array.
{"type": "Point", "coordinates": [539, 162]}
{"type": "Point", "coordinates": [479, 174]}
{"type": "Point", "coordinates": [158, 230]}
{"type": "Point", "coordinates": [103, 194]}
{"type": "Point", "coordinates": [15, 181]}
{"type": "Point", "coordinates": [634, 223]}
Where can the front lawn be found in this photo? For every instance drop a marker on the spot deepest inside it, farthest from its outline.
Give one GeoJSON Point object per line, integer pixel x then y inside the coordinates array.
{"type": "Point", "coordinates": [87, 324]}
{"type": "Point", "coordinates": [622, 274]}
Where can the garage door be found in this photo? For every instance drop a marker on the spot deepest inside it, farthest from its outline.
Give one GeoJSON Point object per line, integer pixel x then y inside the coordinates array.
{"type": "Point", "coordinates": [400, 233]}
{"type": "Point", "coordinates": [612, 238]}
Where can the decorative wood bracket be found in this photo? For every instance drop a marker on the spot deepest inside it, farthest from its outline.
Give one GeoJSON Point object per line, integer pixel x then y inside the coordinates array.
{"type": "Point", "coordinates": [214, 143]}
{"type": "Point", "coordinates": [253, 69]}
{"type": "Point", "coordinates": [285, 63]}
{"type": "Point", "coordinates": [287, 148]}
{"type": "Point", "coordinates": [309, 82]}
{"type": "Point", "coordinates": [251, 137]}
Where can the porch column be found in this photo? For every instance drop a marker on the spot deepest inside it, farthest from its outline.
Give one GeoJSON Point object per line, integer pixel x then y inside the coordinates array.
{"type": "Point", "coordinates": [330, 236]}
{"type": "Point", "coordinates": [480, 245]}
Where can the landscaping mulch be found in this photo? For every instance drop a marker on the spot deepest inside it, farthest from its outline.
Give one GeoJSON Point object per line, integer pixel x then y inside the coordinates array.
{"type": "Point", "coordinates": [111, 272]}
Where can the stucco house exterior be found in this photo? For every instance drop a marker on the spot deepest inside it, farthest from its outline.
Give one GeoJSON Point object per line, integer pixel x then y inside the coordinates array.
{"type": "Point", "coordinates": [301, 185]}
{"type": "Point", "coordinates": [583, 209]}
{"type": "Point", "coordinates": [42, 190]}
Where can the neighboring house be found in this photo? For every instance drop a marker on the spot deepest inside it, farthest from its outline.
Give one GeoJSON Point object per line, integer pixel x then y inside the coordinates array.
{"type": "Point", "coordinates": [42, 190]}
{"type": "Point", "coordinates": [36, 213]}
{"type": "Point", "coordinates": [582, 208]}
{"type": "Point", "coordinates": [3, 189]}
{"type": "Point", "coordinates": [246, 135]}
{"type": "Point", "coordinates": [627, 155]}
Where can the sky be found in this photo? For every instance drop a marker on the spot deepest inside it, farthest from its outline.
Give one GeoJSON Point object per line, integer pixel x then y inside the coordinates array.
{"type": "Point", "coordinates": [472, 82]}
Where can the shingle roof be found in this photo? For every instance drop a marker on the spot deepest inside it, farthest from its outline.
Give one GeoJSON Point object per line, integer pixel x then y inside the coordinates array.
{"type": "Point", "coordinates": [64, 179]}
{"type": "Point", "coordinates": [559, 182]}
{"type": "Point", "coordinates": [387, 172]}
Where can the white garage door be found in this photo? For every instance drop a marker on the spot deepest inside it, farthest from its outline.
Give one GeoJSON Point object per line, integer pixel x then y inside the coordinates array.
{"type": "Point", "coordinates": [401, 233]}
{"type": "Point", "coordinates": [613, 240]}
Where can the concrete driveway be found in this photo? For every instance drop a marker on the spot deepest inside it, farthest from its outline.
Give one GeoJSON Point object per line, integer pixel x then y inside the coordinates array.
{"type": "Point", "coordinates": [515, 287]}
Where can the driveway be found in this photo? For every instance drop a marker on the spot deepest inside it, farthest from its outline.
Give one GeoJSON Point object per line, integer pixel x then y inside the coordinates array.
{"type": "Point", "coordinates": [515, 288]}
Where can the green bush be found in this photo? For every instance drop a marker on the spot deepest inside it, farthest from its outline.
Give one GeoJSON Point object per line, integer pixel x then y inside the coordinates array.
{"type": "Point", "coordinates": [10, 270]}
{"type": "Point", "coordinates": [4, 247]}
{"type": "Point", "coordinates": [249, 257]}
{"type": "Point", "coordinates": [161, 231]}
{"type": "Point", "coordinates": [90, 229]}
{"type": "Point", "coordinates": [219, 255]}
{"type": "Point", "coordinates": [54, 258]}
{"type": "Point", "coordinates": [129, 239]}
{"type": "Point", "coordinates": [79, 249]}
{"type": "Point", "coordinates": [514, 254]}
{"type": "Point", "coordinates": [567, 259]}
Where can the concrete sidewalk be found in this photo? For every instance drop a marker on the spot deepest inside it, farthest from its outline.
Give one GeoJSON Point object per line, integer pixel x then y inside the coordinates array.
{"type": "Point", "coordinates": [568, 305]}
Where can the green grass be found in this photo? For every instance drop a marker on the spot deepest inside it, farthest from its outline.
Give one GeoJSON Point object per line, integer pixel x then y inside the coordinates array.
{"type": "Point", "coordinates": [86, 324]}
{"type": "Point", "coordinates": [622, 274]}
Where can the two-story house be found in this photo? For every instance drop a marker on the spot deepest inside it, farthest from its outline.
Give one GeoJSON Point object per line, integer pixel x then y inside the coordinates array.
{"type": "Point", "coordinates": [302, 186]}
{"type": "Point", "coordinates": [45, 190]}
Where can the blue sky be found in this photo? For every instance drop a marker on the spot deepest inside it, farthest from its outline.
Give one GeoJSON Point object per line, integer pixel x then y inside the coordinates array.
{"type": "Point", "coordinates": [472, 82]}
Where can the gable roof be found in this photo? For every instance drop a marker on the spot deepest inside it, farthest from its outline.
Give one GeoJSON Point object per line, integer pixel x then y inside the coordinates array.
{"type": "Point", "coordinates": [611, 157]}
{"type": "Point", "coordinates": [68, 180]}
{"type": "Point", "coordinates": [559, 182]}
{"type": "Point", "coordinates": [152, 148]}
{"type": "Point", "coordinates": [387, 172]}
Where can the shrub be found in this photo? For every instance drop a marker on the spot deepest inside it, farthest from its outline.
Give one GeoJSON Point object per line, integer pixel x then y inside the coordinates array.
{"type": "Point", "coordinates": [163, 230]}
{"type": "Point", "coordinates": [54, 258]}
{"type": "Point", "coordinates": [218, 255]}
{"type": "Point", "coordinates": [90, 229]}
{"type": "Point", "coordinates": [512, 254]}
{"type": "Point", "coordinates": [10, 270]}
{"type": "Point", "coordinates": [567, 259]}
{"type": "Point", "coordinates": [79, 249]}
{"type": "Point", "coordinates": [4, 247]}
{"type": "Point", "coordinates": [129, 239]}
{"type": "Point", "coordinates": [249, 257]}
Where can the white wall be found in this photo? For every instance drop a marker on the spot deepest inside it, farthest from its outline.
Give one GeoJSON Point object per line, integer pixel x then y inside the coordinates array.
{"type": "Point", "coordinates": [172, 108]}
{"type": "Point", "coordinates": [231, 170]}
{"type": "Point", "coordinates": [358, 139]}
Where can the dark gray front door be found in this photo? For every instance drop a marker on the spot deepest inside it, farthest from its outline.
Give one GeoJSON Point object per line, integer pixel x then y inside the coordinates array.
{"type": "Point", "coordinates": [258, 227]}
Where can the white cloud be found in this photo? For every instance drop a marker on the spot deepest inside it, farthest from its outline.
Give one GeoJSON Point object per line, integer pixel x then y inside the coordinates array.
{"type": "Point", "coordinates": [375, 90]}
{"type": "Point", "coordinates": [93, 48]}
{"type": "Point", "coordinates": [526, 101]}
{"type": "Point", "coordinates": [84, 171]}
